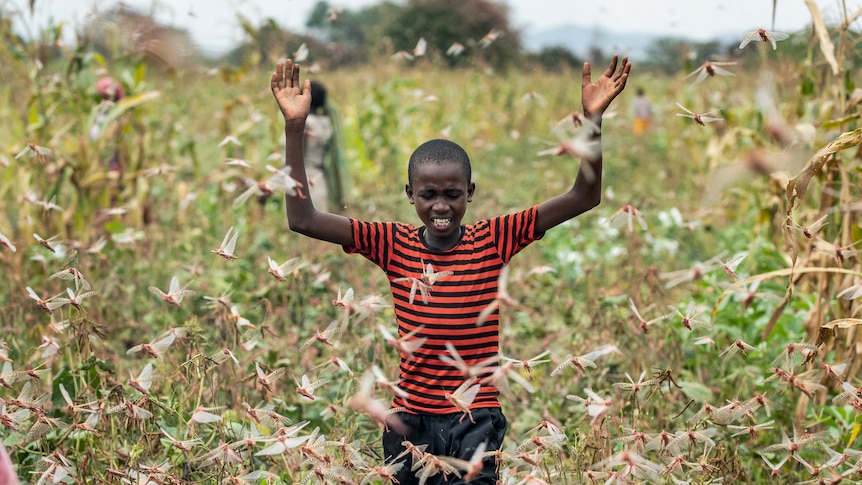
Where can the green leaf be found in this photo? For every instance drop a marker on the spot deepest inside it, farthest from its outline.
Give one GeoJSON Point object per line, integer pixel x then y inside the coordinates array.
{"type": "Point", "coordinates": [128, 103]}
{"type": "Point", "coordinates": [806, 87]}
{"type": "Point", "coordinates": [33, 118]}
{"type": "Point", "coordinates": [837, 122]}
{"type": "Point", "coordinates": [696, 391]}
{"type": "Point", "coordinates": [98, 59]}
{"type": "Point", "coordinates": [115, 226]}
{"type": "Point", "coordinates": [140, 73]}
{"type": "Point", "coordinates": [63, 377]}
{"type": "Point", "coordinates": [855, 434]}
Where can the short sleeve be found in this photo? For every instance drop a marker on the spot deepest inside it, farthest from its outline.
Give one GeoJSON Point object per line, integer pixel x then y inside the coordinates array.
{"type": "Point", "coordinates": [372, 240]}
{"type": "Point", "coordinates": [513, 232]}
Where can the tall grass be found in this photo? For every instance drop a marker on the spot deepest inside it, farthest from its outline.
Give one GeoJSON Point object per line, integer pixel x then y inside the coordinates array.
{"type": "Point", "coordinates": [703, 191]}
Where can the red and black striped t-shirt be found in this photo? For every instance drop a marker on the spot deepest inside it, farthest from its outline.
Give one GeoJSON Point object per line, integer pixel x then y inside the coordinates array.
{"type": "Point", "coordinates": [454, 302]}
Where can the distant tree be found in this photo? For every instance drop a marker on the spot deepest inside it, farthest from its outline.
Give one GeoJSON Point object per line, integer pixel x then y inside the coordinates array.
{"type": "Point", "coordinates": [354, 36]}
{"type": "Point", "coordinates": [12, 50]}
{"type": "Point", "coordinates": [712, 50]}
{"type": "Point", "coordinates": [672, 55]}
{"type": "Point", "coordinates": [481, 26]}
{"type": "Point", "coordinates": [668, 54]}
{"type": "Point", "coordinates": [123, 30]}
{"type": "Point", "coordinates": [555, 58]}
{"type": "Point", "coordinates": [319, 14]}
{"type": "Point", "coordinates": [266, 43]}
{"type": "Point", "coordinates": [595, 54]}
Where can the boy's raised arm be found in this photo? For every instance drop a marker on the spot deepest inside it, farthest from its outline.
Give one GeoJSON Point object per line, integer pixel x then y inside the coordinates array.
{"type": "Point", "coordinates": [294, 101]}
{"type": "Point", "coordinates": [586, 192]}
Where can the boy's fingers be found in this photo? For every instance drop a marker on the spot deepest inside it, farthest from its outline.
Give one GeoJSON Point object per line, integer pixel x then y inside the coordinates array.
{"type": "Point", "coordinates": [625, 66]}
{"type": "Point", "coordinates": [273, 79]}
{"type": "Point", "coordinates": [613, 67]}
{"type": "Point", "coordinates": [587, 74]}
{"type": "Point", "coordinates": [285, 73]}
{"type": "Point", "coordinates": [294, 81]}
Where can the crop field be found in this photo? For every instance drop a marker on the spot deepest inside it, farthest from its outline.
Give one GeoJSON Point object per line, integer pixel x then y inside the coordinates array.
{"type": "Point", "coordinates": [701, 325]}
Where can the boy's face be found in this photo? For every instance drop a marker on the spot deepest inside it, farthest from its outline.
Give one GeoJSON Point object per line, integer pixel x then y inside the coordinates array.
{"type": "Point", "coordinates": [440, 193]}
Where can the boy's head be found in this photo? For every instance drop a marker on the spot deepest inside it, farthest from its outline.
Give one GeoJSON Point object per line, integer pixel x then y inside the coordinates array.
{"type": "Point", "coordinates": [439, 186]}
{"type": "Point", "coordinates": [438, 152]}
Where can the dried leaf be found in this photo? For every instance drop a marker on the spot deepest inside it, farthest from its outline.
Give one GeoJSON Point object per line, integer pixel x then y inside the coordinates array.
{"type": "Point", "coordinates": [790, 241]}
{"type": "Point", "coordinates": [827, 330]}
{"type": "Point", "coordinates": [797, 186]}
{"type": "Point", "coordinates": [842, 323]}
{"type": "Point", "coordinates": [826, 45]}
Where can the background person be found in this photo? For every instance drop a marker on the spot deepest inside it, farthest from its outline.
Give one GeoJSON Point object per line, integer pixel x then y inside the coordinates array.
{"type": "Point", "coordinates": [643, 113]}
{"type": "Point", "coordinates": [324, 163]}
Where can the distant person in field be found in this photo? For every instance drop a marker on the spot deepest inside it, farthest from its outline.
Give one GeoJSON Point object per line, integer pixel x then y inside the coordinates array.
{"type": "Point", "coordinates": [110, 91]}
{"type": "Point", "coordinates": [643, 113]}
{"type": "Point", "coordinates": [454, 266]}
{"type": "Point", "coordinates": [324, 164]}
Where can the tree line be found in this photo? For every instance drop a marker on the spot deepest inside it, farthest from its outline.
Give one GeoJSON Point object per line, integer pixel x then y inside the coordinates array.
{"type": "Point", "coordinates": [453, 33]}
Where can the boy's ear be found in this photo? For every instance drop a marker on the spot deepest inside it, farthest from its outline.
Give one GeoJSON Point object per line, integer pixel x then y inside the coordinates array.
{"type": "Point", "coordinates": [470, 189]}
{"type": "Point", "coordinates": [409, 191]}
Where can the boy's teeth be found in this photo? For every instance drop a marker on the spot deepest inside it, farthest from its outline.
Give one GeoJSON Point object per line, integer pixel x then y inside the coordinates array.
{"type": "Point", "coordinates": [440, 222]}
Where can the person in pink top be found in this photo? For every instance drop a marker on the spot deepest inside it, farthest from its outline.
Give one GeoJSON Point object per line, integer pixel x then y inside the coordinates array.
{"type": "Point", "coordinates": [7, 470]}
{"type": "Point", "coordinates": [110, 89]}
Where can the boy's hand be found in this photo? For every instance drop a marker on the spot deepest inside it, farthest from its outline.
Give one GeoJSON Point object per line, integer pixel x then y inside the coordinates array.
{"type": "Point", "coordinates": [597, 96]}
{"type": "Point", "coordinates": [295, 103]}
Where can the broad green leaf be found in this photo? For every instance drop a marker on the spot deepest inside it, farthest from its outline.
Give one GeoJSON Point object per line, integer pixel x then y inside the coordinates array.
{"type": "Point", "coordinates": [696, 391]}
{"type": "Point", "coordinates": [140, 73]}
{"type": "Point", "coordinates": [128, 103]}
{"type": "Point", "coordinates": [115, 226]}
{"type": "Point", "coordinates": [836, 122]}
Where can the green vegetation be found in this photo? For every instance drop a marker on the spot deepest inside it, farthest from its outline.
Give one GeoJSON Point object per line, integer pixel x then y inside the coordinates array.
{"type": "Point", "coordinates": [139, 191]}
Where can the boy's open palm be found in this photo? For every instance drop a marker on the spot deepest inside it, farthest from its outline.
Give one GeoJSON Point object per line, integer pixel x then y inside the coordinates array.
{"type": "Point", "coordinates": [597, 96]}
{"type": "Point", "coordinates": [293, 99]}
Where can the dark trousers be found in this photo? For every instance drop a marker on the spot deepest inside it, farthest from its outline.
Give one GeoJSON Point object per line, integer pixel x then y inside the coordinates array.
{"type": "Point", "coordinates": [448, 435]}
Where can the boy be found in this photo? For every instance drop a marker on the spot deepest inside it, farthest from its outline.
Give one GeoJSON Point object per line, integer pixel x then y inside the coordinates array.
{"type": "Point", "coordinates": [443, 274]}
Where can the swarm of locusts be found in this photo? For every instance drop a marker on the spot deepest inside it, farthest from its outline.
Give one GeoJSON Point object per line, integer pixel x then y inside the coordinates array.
{"type": "Point", "coordinates": [212, 346]}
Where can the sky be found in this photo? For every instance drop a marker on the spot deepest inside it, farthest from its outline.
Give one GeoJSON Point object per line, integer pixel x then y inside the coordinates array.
{"type": "Point", "coordinates": [213, 26]}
